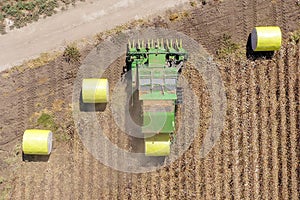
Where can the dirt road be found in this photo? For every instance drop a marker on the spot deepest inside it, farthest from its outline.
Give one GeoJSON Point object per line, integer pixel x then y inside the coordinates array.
{"type": "Point", "coordinates": [80, 22]}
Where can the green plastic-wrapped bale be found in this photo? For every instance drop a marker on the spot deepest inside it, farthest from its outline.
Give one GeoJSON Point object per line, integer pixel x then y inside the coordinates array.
{"type": "Point", "coordinates": [95, 90]}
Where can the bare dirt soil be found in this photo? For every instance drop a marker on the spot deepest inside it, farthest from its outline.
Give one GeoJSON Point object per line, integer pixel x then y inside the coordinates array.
{"type": "Point", "coordinates": [257, 156]}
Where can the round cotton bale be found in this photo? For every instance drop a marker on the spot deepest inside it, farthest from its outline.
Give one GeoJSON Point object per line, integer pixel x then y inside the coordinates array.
{"type": "Point", "coordinates": [95, 90]}
{"type": "Point", "coordinates": [37, 142]}
{"type": "Point", "coordinates": [266, 38]}
{"type": "Point", "coordinates": [158, 145]}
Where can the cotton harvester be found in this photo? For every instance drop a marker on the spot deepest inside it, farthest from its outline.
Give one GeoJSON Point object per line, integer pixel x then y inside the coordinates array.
{"type": "Point", "coordinates": [154, 67]}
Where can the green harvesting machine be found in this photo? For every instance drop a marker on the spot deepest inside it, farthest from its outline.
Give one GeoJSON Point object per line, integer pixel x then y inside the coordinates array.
{"type": "Point", "coordinates": [154, 66]}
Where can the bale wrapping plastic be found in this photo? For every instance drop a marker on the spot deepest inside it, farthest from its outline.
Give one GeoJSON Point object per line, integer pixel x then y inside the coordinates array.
{"type": "Point", "coordinates": [158, 145]}
{"type": "Point", "coordinates": [266, 38]}
{"type": "Point", "coordinates": [95, 90]}
{"type": "Point", "coordinates": [37, 142]}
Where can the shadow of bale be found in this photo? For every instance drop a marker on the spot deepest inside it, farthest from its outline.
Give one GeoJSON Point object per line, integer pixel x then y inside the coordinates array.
{"type": "Point", "coordinates": [91, 107]}
{"type": "Point", "coordinates": [155, 161]}
{"type": "Point", "coordinates": [252, 55]}
{"type": "Point", "coordinates": [35, 158]}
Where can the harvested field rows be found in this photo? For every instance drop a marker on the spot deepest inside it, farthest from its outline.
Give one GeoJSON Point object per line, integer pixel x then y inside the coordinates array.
{"type": "Point", "coordinates": [256, 157]}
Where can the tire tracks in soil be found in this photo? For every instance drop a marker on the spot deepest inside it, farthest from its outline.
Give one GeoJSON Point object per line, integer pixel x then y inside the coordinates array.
{"type": "Point", "coordinates": [127, 186]}
{"type": "Point", "coordinates": [21, 103]}
{"type": "Point", "coordinates": [283, 173]}
{"type": "Point", "coordinates": [97, 180]}
{"type": "Point", "coordinates": [155, 186]}
{"type": "Point", "coordinates": [182, 191]}
{"type": "Point", "coordinates": [297, 91]}
{"type": "Point", "coordinates": [295, 145]}
{"type": "Point", "coordinates": [174, 181]}
{"type": "Point", "coordinates": [75, 154]}
{"type": "Point", "coordinates": [126, 144]}
{"type": "Point", "coordinates": [109, 171]}
{"type": "Point", "coordinates": [204, 172]}
{"type": "Point", "coordinates": [128, 182]}
{"type": "Point", "coordinates": [27, 106]}
{"type": "Point", "coordinates": [274, 14]}
{"type": "Point", "coordinates": [226, 147]}
{"type": "Point", "coordinates": [116, 181]}
{"type": "Point", "coordinates": [57, 93]}
{"type": "Point", "coordinates": [191, 161]}
{"type": "Point", "coordinates": [292, 52]}
{"type": "Point", "coordinates": [115, 138]}
{"type": "Point", "coordinates": [31, 183]}
{"type": "Point", "coordinates": [288, 125]}
{"type": "Point", "coordinates": [83, 175]}
{"type": "Point", "coordinates": [199, 177]}
{"type": "Point", "coordinates": [199, 164]}
{"type": "Point", "coordinates": [245, 129]}
{"type": "Point", "coordinates": [146, 185]}
{"type": "Point", "coordinates": [136, 179]}
{"type": "Point", "coordinates": [60, 73]}
{"type": "Point", "coordinates": [91, 185]}
{"type": "Point", "coordinates": [254, 11]}
{"type": "Point", "coordinates": [263, 129]}
{"type": "Point", "coordinates": [136, 186]}
{"type": "Point", "coordinates": [191, 153]}
{"type": "Point", "coordinates": [235, 140]}
{"type": "Point", "coordinates": [123, 179]}
{"type": "Point", "coordinates": [192, 21]}
{"type": "Point", "coordinates": [165, 184]}
{"type": "Point", "coordinates": [273, 127]}
{"type": "Point", "coordinates": [255, 135]}
{"type": "Point", "coordinates": [52, 85]}
{"type": "Point", "coordinates": [283, 12]}
{"type": "Point", "coordinates": [30, 104]}
{"type": "Point", "coordinates": [177, 182]}
{"type": "Point", "coordinates": [217, 170]}
{"type": "Point", "coordinates": [245, 17]}
{"type": "Point", "coordinates": [32, 93]}
{"type": "Point", "coordinates": [18, 192]}
{"type": "Point", "coordinates": [189, 156]}
{"type": "Point", "coordinates": [249, 8]}
{"type": "Point", "coordinates": [81, 172]}
{"type": "Point", "coordinates": [227, 163]}
{"type": "Point", "coordinates": [183, 139]}
{"type": "Point", "coordinates": [49, 182]}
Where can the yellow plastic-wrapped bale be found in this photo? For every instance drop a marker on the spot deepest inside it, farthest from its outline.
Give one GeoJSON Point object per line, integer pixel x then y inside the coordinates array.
{"type": "Point", "coordinates": [266, 38]}
{"type": "Point", "coordinates": [37, 142]}
{"type": "Point", "coordinates": [95, 90]}
{"type": "Point", "coordinates": [158, 145]}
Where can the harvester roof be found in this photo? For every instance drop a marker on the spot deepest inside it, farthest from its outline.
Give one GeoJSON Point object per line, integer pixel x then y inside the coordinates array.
{"type": "Point", "coordinates": [158, 83]}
